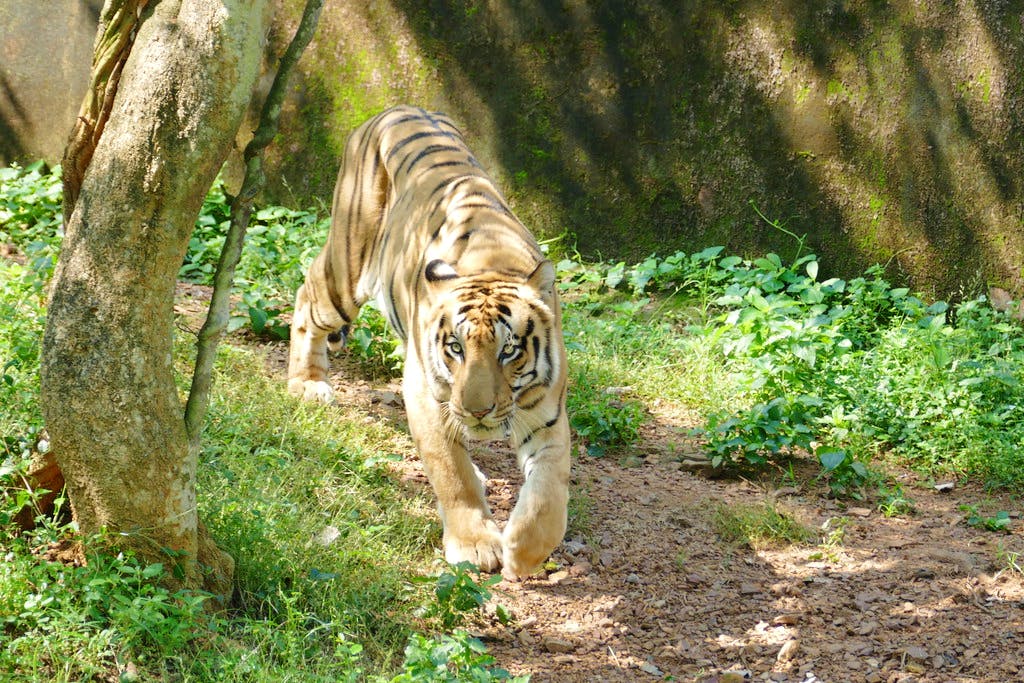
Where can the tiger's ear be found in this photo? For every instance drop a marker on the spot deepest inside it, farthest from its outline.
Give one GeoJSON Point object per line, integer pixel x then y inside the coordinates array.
{"type": "Point", "coordinates": [542, 279]}
{"type": "Point", "coordinates": [438, 270]}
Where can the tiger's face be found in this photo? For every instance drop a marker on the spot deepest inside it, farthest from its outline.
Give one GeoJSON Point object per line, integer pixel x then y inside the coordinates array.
{"type": "Point", "coordinates": [492, 354]}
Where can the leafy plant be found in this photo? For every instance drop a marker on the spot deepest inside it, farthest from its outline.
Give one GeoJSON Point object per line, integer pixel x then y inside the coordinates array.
{"type": "Point", "coordinates": [279, 244]}
{"type": "Point", "coordinates": [456, 593]}
{"type": "Point", "coordinates": [894, 502]}
{"type": "Point", "coordinates": [450, 658]}
{"type": "Point", "coordinates": [30, 215]}
{"type": "Point", "coordinates": [831, 544]}
{"type": "Point", "coordinates": [604, 420]}
{"type": "Point", "coordinates": [1000, 522]}
{"type": "Point", "coordinates": [373, 344]}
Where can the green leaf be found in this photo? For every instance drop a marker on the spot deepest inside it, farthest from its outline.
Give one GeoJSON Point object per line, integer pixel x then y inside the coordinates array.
{"type": "Point", "coordinates": [710, 253]}
{"type": "Point", "coordinates": [153, 571]}
{"type": "Point", "coordinates": [258, 318]}
{"type": "Point", "coordinates": [830, 458]}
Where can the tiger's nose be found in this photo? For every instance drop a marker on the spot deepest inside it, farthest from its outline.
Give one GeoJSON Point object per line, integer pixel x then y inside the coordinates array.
{"type": "Point", "coordinates": [480, 414]}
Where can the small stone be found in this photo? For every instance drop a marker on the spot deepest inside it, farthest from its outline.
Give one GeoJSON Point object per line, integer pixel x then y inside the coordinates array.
{"type": "Point", "coordinates": [387, 398]}
{"type": "Point", "coordinates": [574, 547]}
{"type": "Point", "coordinates": [749, 589]}
{"type": "Point", "coordinates": [786, 620]}
{"type": "Point", "coordinates": [525, 638]}
{"type": "Point", "coordinates": [328, 535]}
{"type": "Point", "coordinates": [581, 568]}
{"type": "Point", "coordinates": [558, 577]}
{"type": "Point", "coordinates": [529, 621]}
{"type": "Point", "coordinates": [916, 652]}
{"type": "Point", "coordinates": [860, 512]}
{"type": "Point", "coordinates": [734, 677]}
{"type": "Point", "coordinates": [867, 628]}
{"type": "Point", "coordinates": [914, 668]}
{"type": "Point", "coordinates": [649, 668]}
{"type": "Point", "coordinates": [557, 645]}
{"type": "Point", "coordinates": [788, 650]}
{"type": "Point", "coordinates": [633, 579]}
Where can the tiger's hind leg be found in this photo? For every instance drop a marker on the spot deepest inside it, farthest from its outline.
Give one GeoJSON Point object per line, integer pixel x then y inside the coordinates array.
{"type": "Point", "coordinates": [313, 330]}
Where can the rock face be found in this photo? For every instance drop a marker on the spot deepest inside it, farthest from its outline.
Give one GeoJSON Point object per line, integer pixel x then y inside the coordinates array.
{"type": "Point", "coordinates": [45, 53]}
{"type": "Point", "coordinates": [884, 133]}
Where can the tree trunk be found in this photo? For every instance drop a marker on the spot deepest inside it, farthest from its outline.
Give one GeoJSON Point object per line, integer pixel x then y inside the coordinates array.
{"type": "Point", "coordinates": [108, 393]}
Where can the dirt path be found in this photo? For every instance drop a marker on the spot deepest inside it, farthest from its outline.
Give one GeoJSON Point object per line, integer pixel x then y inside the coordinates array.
{"type": "Point", "coordinates": [653, 593]}
{"type": "Point", "coordinates": [643, 589]}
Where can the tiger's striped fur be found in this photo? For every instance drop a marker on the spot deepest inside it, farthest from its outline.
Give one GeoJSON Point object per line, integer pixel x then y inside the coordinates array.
{"type": "Point", "coordinates": [418, 225]}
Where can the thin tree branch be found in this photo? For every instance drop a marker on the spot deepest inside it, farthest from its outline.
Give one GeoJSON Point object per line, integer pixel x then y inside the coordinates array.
{"type": "Point", "coordinates": [241, 210]}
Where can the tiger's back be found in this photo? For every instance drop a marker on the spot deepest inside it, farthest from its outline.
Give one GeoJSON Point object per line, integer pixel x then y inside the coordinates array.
{"type": "Point", "coordinates": [418, 225]}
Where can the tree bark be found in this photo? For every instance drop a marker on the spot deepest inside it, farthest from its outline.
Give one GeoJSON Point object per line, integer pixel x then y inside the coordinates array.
{"type": "Point", "coordinates": [107, 386]}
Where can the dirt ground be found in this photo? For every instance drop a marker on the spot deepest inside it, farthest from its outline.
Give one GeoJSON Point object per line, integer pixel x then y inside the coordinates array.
{"type": "Point", "coordinates": [642, 589]}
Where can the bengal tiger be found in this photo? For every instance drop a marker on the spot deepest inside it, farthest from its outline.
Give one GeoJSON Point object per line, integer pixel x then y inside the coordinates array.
{"type": "Point", "coordinates": [417, 224]}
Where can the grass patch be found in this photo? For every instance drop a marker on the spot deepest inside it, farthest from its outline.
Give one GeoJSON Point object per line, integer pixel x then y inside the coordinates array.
{"type": "Point", "coordinates": [758, 526]}
{"type": "Point", "coordinates": [581, 511]}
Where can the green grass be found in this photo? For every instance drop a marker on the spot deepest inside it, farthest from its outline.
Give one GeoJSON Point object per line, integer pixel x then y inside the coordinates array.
{"type": "Point", "coordinates": [758, 526]}
{"type": "Point", "coordinates": [337, 576]}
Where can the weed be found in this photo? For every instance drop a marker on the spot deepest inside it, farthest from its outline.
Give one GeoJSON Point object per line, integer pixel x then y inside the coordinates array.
{"type": "Point", "coordinates": [893, 501]}
{"type": "Point", "coordinates": [30, 215]}
{"type": "Point", "coordinates": [372, 343]}
{"type": "Point", "coordinates": [456, 593]}
{"type": "Point", "coordinates": [601, 418]}
{"type": "Point", "coordinates": [1000, 522]}
{"type": "Point", "coordinates": [1008, 560]}
{"type": "Point", "coordinates": [830, 547]}
{"type": "Point", "coordinates": [279, 243]}
{"type": "Point", "coordinates": [451, 658]}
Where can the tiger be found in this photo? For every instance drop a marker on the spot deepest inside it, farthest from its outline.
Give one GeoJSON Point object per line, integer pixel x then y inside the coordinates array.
{"type": "Point", "coordinates": [419, 226]}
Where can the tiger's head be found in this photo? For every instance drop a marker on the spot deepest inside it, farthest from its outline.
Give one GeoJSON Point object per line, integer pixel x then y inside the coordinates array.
{"type": "Point", "coordinates": [494, 347]}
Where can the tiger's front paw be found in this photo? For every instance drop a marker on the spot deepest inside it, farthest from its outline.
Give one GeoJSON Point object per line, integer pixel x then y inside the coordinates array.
{"type": "Point", "coordinates": [526, 546]}
{"type": "Point", "coordinates": [311, 390]}
{"type": "Point", "coordinates": [480, 544]}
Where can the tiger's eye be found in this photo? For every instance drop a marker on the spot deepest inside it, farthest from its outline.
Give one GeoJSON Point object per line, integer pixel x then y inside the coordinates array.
{"type": "Point", "coordinates": [509, 348]}
{"type": "Point", "coordinates": [455, 348]}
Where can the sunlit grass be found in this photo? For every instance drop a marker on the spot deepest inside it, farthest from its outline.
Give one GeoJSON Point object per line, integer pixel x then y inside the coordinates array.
{"type": "Point", "coordinates": [758, 526]}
